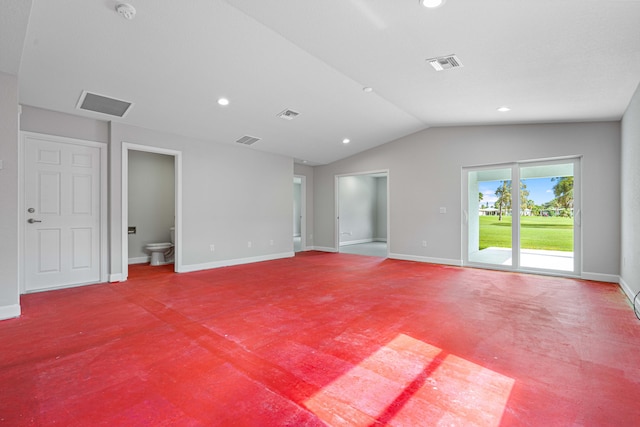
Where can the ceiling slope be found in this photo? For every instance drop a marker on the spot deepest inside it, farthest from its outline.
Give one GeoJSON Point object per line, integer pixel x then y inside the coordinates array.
{"type": "Point", "coordinates": [549, 61]}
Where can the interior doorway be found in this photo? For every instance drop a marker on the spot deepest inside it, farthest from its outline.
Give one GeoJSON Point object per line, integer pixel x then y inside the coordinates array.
{"type": "Point", "coordinates": [177, 156]}
{"type": "Point", "coordinates": [299, 213]}
{"type": "Point", "coordinates": [362, 213]}
{"type": "Point", "coordinates": [524, 216]}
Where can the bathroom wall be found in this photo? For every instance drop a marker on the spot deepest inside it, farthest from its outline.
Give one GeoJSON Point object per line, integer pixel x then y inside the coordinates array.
{"type": "Point", "coordinates": [151, 201]}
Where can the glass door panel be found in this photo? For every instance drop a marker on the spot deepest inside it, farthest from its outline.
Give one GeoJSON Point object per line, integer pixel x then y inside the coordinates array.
{"type": "Point", "coordinates": [489, 219]}
{"type": "Point", "coordinates": [547, 217]}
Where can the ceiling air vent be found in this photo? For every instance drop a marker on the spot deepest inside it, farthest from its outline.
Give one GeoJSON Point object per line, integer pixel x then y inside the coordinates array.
{"type": "Point", "coordinates": [248, 140]}
{"type": "Point", "coordinates": [288, 114]}
{"type": "Point", "coordinates": [445, 62]}
{"type": "Point", "coordinates": [103, 104]}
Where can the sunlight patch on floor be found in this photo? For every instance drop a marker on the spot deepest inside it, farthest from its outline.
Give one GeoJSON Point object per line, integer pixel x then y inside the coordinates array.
{"type": "Point", "coordinates": [409, 382]}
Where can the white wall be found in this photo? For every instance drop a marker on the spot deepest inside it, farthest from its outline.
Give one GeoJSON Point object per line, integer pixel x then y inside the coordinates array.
{"type": "Point", "coordinates": [358, 208]}
{"type": "Point", "coordinates": [151, 201]}
{"type": "Point", "coordinates": [425, 174]}
{"type": "Point", "coordinates": [60, 124]}
{"type": "Point", "coordinates": [231, 195]}
{"type": "Point", "coordinates": [381, 209]}
{"type": "Point", "coordinates": [9, 125]}
{"type": "Point", "coordinates": [630, 188]}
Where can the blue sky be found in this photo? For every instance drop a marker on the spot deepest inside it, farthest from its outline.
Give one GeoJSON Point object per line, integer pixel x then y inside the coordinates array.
{"type": "Point", "coordinates": [540, 190]}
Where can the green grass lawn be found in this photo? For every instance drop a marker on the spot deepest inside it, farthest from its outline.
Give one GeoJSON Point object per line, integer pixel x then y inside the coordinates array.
{"type": "Point", "coordinates": [536, 232]}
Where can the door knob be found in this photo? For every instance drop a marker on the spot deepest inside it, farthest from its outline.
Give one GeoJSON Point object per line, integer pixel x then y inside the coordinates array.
{"type": "Point", "coordinates": [32, 221]}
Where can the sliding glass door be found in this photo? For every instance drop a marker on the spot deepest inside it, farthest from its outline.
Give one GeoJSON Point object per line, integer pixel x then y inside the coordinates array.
{"type": "Point", "coordinates": [523, 216]}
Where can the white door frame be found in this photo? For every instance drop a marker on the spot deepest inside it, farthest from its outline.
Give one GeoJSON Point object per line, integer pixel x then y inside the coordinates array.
{"type": "Point", "coordinates": [303, 212]}
{"type": "Point", "coordinates": [577, 224]}
{"type": "Point", "coordinates": [126, 146]}
{"type": "Point", "coordinates": [22, 215]}
{"type": "Point", "coordinates": [336, 204]}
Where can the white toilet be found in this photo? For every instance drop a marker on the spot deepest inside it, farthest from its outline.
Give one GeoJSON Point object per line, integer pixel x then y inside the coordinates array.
{"type": "Point", "coordinates": [162, 253]}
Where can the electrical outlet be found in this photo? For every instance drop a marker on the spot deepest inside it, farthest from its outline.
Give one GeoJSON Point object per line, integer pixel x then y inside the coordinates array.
{"type": "Point", "coordinates": [443, 210]}
{"type": "Point", "coordinates": [424, 243]}
{"type": "Point", "coordinates": [212, 247]}
{"type": "Point", "coordinates": [249, 244]}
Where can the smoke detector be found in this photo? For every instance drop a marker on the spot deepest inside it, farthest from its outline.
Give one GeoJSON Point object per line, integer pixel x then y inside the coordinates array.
{"type": "Point", "coordinates": [445, 62]}
{"type": "Point", "coordinates": [126, 11]}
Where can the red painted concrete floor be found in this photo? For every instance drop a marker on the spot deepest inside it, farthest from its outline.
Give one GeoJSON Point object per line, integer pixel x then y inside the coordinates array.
{"type": "Point", "coordinates": [323, 339]}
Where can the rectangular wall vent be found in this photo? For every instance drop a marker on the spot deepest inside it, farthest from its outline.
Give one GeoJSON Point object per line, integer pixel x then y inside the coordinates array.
{"type": "Point", "coordinates": [103, 104]}
{"type": "Point", "coordinates": [445, 62]}
{"type": "Point", "coordinates": [248, 140]}
{"type": "Point", "coordinates": [288, 114]}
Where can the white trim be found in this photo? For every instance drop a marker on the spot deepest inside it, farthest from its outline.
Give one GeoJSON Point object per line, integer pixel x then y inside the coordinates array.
{"type": "Point", "coordinates": [626, 289]}
{"type": "Point", "coordinates": [126, 146]}
{"type": "Point", "coordinates": [139, 260]}
{"type": "Point", "coordinates": [443, 261]}
{"type": "Point", "coordinates": [356, 242]}
{"type": "Point", "coordinates": [232, 262]}
{"type": "Point", "coordinates": [323, 249]}
{"type": "Point", "coordinates": [115, 278]}
{"type": "Point", "coordinates": [599, 277]}
{"type": "Point", "coordinates": [103, 212]}
{"type": "Point", "coordinates": [9, 311]}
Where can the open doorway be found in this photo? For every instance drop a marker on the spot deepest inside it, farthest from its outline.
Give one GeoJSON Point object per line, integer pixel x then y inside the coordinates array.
{"type": "Point", "coordinates": [362, 214]}
{"type": "Point", "coordinates": [161, 225]}
{"type": "Point", "coordinates": [299, 203]}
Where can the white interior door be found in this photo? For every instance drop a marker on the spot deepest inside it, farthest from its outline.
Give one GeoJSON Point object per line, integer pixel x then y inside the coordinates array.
{"type": "Point", "coordinates": [62, 195]}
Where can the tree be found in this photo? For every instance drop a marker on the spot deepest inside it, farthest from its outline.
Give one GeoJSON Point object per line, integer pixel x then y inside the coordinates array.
{"type": "Point", "coordinates": [563, 190]}
{"type": "Point", "coordinates": [504, 197]}
{"type": "Point", "coordinates": [524, 196]}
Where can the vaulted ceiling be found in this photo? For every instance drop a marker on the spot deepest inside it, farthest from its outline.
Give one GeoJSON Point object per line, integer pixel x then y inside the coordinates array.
{"type": "Point", "coordinates": [547, 60]}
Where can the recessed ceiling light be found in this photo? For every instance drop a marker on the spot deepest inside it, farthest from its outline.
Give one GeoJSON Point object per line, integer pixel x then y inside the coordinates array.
{"type": "Point", "coordinates": [504, 109]}
{"type": "Point", "coordinates": [367, 89]}
{"type": "Point", "coordinates": [223, 101]}
{"type": "Point", "coordinates": [432, 3]}
{"type": "Point", "coordinates": [126, 11]}
{"type": "Point", "coordinates": [346, 141]}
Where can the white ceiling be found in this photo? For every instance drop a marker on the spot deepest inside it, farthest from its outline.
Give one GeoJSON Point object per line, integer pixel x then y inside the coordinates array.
{"type": "Point", "coordinates": [549, 60]}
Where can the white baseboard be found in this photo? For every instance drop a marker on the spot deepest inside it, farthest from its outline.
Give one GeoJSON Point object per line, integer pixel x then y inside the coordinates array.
{"type": "Point", "coordinates": [139, 260]}
{"type": "Point", "coordinates": [322, 249]}
{"type": "Point", "coordinates": [115, 278]}
{"type": "Point", "coordinates": [231, 262]}
{"type": "Point", "coordinates": [627, 289]}
{"type": "Point", "coordinates": [444, 261]}
{"type": "Point", "coordinates": [599, 277]}
{"type": "Point", "coordinates": [355, 242]}
{"type": "Point", "coordinates": [9, 311]}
